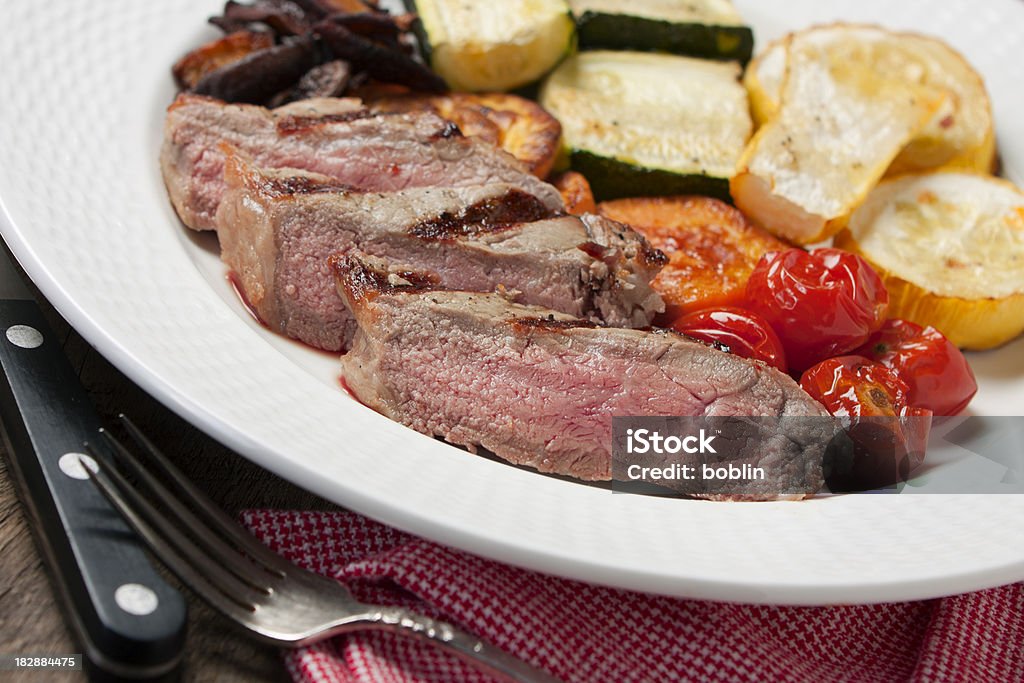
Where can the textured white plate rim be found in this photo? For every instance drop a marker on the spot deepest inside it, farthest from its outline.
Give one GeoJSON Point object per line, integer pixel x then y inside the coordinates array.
{"type": "Point", "coordinates": [893, 572]}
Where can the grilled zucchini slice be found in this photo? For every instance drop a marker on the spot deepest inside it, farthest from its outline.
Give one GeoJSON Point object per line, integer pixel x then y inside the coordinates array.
{"type": "Point", "coordinates": [839, 126]}
{"type": "Point", "coordinates": [961, 134]}
{"type": "Point", "coordinates": [489, 46]}
{"type": "Point", "coordinates": [712, 29]}
{"type": "Point", "coordinates": [950, 247]}
{"type": "Point", "coordinates": [646, 124]}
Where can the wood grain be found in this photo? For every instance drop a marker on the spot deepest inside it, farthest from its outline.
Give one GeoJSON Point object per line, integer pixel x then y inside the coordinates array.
{"type": "Point", "coordinates": [31, 621]}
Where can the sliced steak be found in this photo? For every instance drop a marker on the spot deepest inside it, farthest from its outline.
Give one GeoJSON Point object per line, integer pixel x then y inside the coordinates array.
{"type": "Point", "coordinates": [278, 227]}
{"type": "Point", "coordinates": [539, 388]}
{"type": "Point", "coordinates": [335, 137]}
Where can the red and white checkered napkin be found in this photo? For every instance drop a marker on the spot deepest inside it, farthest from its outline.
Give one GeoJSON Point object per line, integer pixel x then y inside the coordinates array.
{"type": "Point", "coordinates": [587, 633]}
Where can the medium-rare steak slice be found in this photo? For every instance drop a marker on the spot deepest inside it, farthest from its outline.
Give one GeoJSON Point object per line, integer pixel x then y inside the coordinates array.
{"type": "Point", "coordinates": [335, 137]}
{"type": "Point", "coordinates": [540, 388]}
{"type": "Point", "coordinates": [278, 227]}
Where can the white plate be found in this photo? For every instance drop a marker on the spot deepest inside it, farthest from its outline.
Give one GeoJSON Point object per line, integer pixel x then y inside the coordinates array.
{"type": "Point", "coordinates": [83, 87]}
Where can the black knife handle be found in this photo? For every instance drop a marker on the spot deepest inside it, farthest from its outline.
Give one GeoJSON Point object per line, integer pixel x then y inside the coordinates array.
{"type": "Point", "coordinates": [130, 622]}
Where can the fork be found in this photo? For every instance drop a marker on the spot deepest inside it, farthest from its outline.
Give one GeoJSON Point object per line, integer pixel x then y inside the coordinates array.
{"type": "Point", "coordinates": [245, 581]}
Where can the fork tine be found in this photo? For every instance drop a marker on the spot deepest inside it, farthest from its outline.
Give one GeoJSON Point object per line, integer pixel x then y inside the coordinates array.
{"type": "Point", "coordinates": [214, 516]}
{"type": "Point", "coordinates": [168, 555]}
{"type": "Point", "coordinates": [163, 536]}
{"type": "Point", "coordinates": [234, 561]}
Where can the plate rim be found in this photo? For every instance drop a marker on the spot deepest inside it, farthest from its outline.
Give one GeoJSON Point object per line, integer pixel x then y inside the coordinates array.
{"type": "Point", "coordinates": [122, 357]}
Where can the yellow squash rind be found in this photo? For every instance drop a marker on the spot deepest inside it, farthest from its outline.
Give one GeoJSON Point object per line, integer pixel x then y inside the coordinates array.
{"type": "Point", "coordinates": [950, 280]}
{"type": "Point", "coordinates": [975, 324]}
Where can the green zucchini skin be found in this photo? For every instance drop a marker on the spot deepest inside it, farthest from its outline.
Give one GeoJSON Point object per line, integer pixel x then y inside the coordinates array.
{"type": "Point", "coordinates": [422, 40]}
{"type": "Point", "coordinates": [599, 31]}
{"type": "Point", "coordinates": [615, 179]}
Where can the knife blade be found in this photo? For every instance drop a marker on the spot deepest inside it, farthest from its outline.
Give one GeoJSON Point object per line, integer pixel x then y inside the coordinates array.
{"type": "Point", "coordinates": [129, 622]}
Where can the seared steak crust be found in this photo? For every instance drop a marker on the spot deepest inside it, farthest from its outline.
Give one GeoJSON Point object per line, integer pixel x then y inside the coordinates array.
{"type": "Point", "coordinates": [538, 387]}
{"type": "Point", "coordinates": [338, 138]}
{"type": "Point", "coordinates": [278, 227]}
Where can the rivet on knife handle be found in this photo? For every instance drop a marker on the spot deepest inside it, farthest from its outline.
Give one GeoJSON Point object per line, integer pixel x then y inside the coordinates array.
{"type": "Point", "coordinates": [130, 622]}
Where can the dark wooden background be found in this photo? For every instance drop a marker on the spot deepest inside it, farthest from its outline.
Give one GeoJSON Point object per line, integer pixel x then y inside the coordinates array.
{"type": "Point", "coordinates": [31, 621]}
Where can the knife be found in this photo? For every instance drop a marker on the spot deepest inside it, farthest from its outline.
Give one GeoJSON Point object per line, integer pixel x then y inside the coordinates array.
{"type": "Point", "coordinates": [129, 622]}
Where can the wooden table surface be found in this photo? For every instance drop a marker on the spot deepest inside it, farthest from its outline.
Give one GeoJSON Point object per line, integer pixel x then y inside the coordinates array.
{"type": "Point", "coordinates": [31, 622]}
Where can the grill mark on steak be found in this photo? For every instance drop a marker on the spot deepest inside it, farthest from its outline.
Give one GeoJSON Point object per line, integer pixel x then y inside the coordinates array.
{"type": "Point", "coordinates": [550, 323]}
{"type": "Point", "coordinates": [362, 281]}
{"type": "Point", "coordinates": [291, 125]}
{"type": "Point", "coordinates": [539, 388]}
{"type": "Point", "coordinates": [489, 215]}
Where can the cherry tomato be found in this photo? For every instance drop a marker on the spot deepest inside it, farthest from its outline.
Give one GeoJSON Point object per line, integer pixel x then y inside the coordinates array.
{"type": "Point", "coordinates": [936, 373]}
{"type": "Point", "coordinates": [854, 386]}
{"type": "Point", "coordinates": [886, 435]}
{"type": "Point", "coordinates": [821, 303]}
{"type": "Point", "coordinates": [744, 333]}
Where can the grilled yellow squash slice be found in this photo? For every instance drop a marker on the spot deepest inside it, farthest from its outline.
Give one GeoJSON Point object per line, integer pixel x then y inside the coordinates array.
{"type": "Point", "coordinates": [960, 135]}
{"type": "Point", "coordinates": [493, 45]}
{"type": "Point", "coordinates": [839, 126]}
{"type": "Point", "coordinates": [950, 247]}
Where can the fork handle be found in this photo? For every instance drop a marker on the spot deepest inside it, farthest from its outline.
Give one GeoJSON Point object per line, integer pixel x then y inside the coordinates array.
{"type": "Point", "coordinates": [479, 653]}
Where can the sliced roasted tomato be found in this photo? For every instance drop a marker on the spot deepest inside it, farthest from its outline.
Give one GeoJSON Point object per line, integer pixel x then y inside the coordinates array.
{"type": "Point", "coordinates": [712, 248]}
{"type": "Point", "coordinates": [936, 373]}
{"type": "Point", "coordinates": [741, 332]}
{"type": "Point", "coordinates": [821, 303]}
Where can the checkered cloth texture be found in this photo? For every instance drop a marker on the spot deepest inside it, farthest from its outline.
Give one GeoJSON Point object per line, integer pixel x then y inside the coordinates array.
{"type": "Point", "coordinates": [583, 633]}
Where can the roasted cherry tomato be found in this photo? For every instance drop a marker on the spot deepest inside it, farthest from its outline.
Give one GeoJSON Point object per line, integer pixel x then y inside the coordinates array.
{"type": "Point", "coordinates": [821, 303]}
{"type": "Point", "coordinates": [854, 386]}
{"type": "Point", "coordinates": [886, 435]}
{"type": "Point", "coordinates": [744, 333]}
{"type": "Point", "coordinates": [936, 373]}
